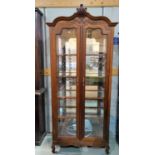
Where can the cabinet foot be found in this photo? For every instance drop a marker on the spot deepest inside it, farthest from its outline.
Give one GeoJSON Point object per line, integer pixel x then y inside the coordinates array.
{"type": "Point", "coordinates": [53, 149]}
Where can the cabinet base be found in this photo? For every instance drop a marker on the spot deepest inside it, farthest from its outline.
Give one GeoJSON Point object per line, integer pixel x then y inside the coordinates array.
{"type": "Point", "coordinates": [53, 149]}
{"type": "Point", "coordinates": [107, 149]}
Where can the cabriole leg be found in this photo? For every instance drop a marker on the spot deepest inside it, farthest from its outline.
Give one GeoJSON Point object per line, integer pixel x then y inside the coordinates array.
{"type": "Point", "coordinates": [53, 148]}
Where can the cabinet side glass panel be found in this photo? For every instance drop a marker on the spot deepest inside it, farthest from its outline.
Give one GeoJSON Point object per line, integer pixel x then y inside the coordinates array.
{"type": "Point", "coordinates": [96, 47]}
{"type": "Point", "coordinates": [66, 74]}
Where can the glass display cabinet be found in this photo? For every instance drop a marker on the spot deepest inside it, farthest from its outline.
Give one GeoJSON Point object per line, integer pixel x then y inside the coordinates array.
{"type": "Point", "coordinates": [81, 67]}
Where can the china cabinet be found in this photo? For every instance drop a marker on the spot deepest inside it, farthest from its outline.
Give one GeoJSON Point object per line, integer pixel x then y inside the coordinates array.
{"type": "Point", "coordinates": [81, 66]}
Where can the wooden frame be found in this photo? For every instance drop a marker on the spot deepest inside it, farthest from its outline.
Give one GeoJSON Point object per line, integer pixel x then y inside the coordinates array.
{"type": "Point", "coordinates": [81, 21]}
{"type": "Point", "coordinates": [73, 3]}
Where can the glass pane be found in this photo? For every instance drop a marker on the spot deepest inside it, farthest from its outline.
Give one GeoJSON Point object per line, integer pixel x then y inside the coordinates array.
{"type": "Point", "coordinates": [95, 65]}
{"type": "Point", "coordinates": [67, 65]}
{"type": "Point", "coordinates": [66, 70]}
{"type": "Point", "coordinates": [67, 102]}
{"type": "Point", "coordinates": [66, 42]}
{"type": "Point", "coordinates": [69, 112]}
{"type": "Point", "coordinates": [95, 53]}
{"type": "Point", "coordinates": [67, 126]}
{"type": "Point", "coordinates": [96, 44]}
{"type": "Point", "coordinates": [93, 124]}
{"type": "Point", "coordinates": [67, 117]}
{"type": "Point", "coordinates": [93, 118]}
{"type": "Point", "coordinates": [67, 83]}
{"type": "Point", "coordinates": [67, 87]}
{"type": "Point", "coordinates": [94, 87]}
{"type": "Point", "coordinates": [94, 104]}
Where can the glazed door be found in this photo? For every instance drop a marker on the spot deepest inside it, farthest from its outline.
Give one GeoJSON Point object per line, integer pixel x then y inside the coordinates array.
{"type": "Point", "coordinates": [80, 79]}
{"type": "Point", "coordinates": [67, 87]}
{"type": "Point", "coordinates": [94, 72]}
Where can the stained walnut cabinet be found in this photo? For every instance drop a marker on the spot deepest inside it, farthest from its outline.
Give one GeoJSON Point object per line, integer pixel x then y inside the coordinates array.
{"type": "Point", "coordinates": [81, 65]}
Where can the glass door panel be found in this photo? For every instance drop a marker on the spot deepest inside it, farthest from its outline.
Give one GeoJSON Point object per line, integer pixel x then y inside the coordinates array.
{"type": "Point", "coordinates": [67, 65]}
{"type": "Point", "coordinates": [67, 85]}
{"type": "Point", "coordinates": [94, 82]}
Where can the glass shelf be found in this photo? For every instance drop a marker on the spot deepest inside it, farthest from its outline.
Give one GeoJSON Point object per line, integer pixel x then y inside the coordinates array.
{"type": "Point", "coordinates": [66, 55]}
{"type": "Point", "coordinates": [88, 98]}
{"type": "Point", "coordinates": [91, 107]}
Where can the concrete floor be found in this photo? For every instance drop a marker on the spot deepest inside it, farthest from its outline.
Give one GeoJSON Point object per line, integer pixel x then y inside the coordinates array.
{"type": "Point", "coordinates": [45, 149]}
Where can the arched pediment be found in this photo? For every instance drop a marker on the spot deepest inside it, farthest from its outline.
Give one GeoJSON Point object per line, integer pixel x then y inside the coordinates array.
{"type": "Point", "coordinates": [82, 12]}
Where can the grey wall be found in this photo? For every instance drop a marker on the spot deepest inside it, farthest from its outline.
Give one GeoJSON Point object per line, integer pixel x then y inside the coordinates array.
{"type": "Point", "coordinates": [49, 15]}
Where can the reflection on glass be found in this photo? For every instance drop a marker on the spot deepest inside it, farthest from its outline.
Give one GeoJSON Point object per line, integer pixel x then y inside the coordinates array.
{"type": "Point", "coordinates": [67, 103]}
{"type": "Point", "coordinates": [94, 94]}
{"type": "Point", "coordinates": [66, 42]}
{"type": "Point", "coordinates": [64, 111]}
{"type": "Point", "coordinates": [67, 117]}
{"type": "Point", "coordinates": [96, 46]}
{"type": "Point", "coordinates": [67, 83]}
{"type": "Point", "coordinates": [67, 87]}
{"type": "Point", "coordinates": [90, 103]}
{"type": "Point", "coordinates": [96, 42]}
{"type": "Point", "coordinates": [67, 93]}
{"type": "Point", "coordinates": [66, 52]}
{"type": "Point", "coordinates": [95, 122]}
{"type": "Point", "coordinates": [93, 82]}
{"type": "Point", "coordinates": [67, 65]}
{"type": "Point", "coordinates": [67, 126]}
{"type": "Point", "coordinates": [95, 66]}
{"type": "Point", "coordinates": [95, 52]}
{"type": "Point", "coordinates": [66, 70]}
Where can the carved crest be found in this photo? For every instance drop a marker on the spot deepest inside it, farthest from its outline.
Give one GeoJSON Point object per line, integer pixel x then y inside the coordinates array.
{"type": "Point", "coordinates": [81, 10]}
